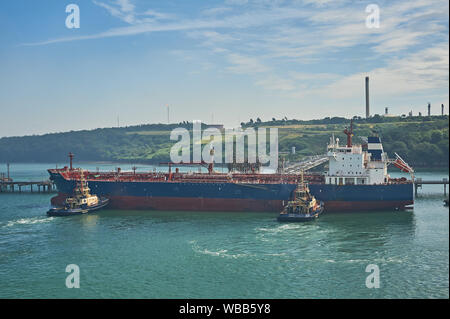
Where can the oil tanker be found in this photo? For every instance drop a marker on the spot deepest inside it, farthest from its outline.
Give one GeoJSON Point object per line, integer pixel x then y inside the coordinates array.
{"type": "Point", "coordinates": [357, 179]}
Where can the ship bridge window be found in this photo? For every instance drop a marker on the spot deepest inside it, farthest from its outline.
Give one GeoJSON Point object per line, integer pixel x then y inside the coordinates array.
{"type": "Point", "coordinates": [349, 181]}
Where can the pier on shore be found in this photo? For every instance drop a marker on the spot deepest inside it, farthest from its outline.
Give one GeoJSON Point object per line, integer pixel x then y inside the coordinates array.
{"type": "Point", "coordinates": [39, 187]}
{"type": "Point", "coordinates": [418, 182]}
{"type": "Point", "coordinates": [8, 185]}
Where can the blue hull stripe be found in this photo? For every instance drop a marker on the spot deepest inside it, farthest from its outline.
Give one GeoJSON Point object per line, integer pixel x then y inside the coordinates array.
{"type": "Point", "coordinates": [323, 192]}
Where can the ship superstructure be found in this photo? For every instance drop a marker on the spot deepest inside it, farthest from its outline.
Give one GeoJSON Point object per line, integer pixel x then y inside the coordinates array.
{"type": "Point", "coordinates": [357, 165]}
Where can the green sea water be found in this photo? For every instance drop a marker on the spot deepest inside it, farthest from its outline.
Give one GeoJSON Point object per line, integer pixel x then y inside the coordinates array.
{"type": "Point", "coordinates": [151, 254]}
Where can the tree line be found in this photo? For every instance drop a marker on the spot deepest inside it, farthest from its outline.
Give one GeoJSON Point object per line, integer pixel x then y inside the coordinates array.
{"type": "Point", "coordinates": [421, 141]}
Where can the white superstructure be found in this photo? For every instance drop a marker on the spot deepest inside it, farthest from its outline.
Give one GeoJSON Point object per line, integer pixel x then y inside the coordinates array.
{"type": "Point", "coordinates": [351, 165]}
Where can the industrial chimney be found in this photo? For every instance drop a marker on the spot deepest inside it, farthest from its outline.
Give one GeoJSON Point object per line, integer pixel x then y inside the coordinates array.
{"type": "Point", "coordinates": [442, 109]}
{"type": "Point", "coordinates": [367, 97]}
{"type": "Point", "coordinates": [429, 109]}
{"type": "Point", "coordinates": [386, 111]}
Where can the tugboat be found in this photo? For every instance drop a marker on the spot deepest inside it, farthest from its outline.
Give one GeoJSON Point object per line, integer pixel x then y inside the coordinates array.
{"type": "Point", "coordinates": [81, 203]}
{"type": "Point", "coordinates": [303, 208]}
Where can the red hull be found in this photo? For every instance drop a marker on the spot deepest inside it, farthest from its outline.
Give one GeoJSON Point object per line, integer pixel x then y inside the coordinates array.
{"type": "Point", "coordinates": [342, 206]}
{"type": "Point", "coordinates": [235, 205]}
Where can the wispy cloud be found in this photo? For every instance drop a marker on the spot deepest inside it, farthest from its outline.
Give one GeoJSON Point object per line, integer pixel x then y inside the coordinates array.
{"type": "Point", "coordinates": [236, 2]}
{"type": "Point", "coordinates": [216, 11]}
{"type": "Point", "coordinates": [245, 65]}
{"type": "Point", "coordinates": [276, 83]}
{"type": "Point", "coordinates": [422, 70]}
{"type": "Point", "coordinates": [122, 9]}
{"type": "Point", "coordinates": [274, 41]}
{"type": "Point", "coordinates": [125, 10]}
{"type": "Point", "coordinates": [235, 21]}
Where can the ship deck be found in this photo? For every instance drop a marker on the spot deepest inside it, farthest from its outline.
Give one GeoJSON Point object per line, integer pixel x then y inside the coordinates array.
{"type": "Point", "coordinates": [178, 177]}
{"type": "Point", "coordinates": [187, 177]}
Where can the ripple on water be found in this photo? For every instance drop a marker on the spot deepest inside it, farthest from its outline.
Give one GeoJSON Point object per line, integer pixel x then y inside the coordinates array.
{"type": "Point", "coordinates": [278, 229]}
{"type": "Point", "coordinates": [218, 253]}
{"type": "Point", "coordinates": [28, 221]}
{"type": "Point", "coordinates": [127, 254]}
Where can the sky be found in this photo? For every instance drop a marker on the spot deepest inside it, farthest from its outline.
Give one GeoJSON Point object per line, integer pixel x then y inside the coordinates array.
{"type": "Point", "coordinates": [221, 61]}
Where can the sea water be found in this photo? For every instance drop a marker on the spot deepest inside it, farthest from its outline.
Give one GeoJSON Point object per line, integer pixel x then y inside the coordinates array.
{"type": "Point", "coordinates": [153, 254]}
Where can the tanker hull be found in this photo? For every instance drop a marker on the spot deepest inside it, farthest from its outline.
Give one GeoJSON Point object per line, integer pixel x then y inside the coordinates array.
{"type": "Point", "coordinates": [231, 196]}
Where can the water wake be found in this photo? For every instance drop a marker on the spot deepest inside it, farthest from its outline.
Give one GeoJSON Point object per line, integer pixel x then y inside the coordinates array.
{"type": "Point", "coordinates": [219, 253]}
{"type": "Point", "coordinates": [28, 221]}
{"type": "Point", "coordinates": [279, 228]}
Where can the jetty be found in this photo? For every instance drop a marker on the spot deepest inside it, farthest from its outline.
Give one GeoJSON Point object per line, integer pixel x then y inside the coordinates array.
{"type": "Point", "coordinates": [39, 186]}
{"type": "Point", "coordinates": [418, 183]}
{"type": "Point", "coordinates": [8, 185]}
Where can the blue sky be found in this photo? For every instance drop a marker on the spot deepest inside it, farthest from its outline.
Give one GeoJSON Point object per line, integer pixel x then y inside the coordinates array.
{"type": "Point", "coordinates": [230, 59]}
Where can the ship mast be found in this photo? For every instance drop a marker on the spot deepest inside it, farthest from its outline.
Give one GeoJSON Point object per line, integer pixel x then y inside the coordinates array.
{"type": "Point", "coordinates": [82, 180]}
{"type": "Point", "coordinates": [301, 185]}
{"type": "Point", "coordinates": [71, 160]}
{"type": "Point", "coordinates": [301, 178]}
{"type": "Point", "coordinates": [211, 164]}
{"type": "Point", "coordinates": [349, 134]}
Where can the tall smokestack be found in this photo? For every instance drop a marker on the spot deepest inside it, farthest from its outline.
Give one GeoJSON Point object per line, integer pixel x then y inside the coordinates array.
{"type": "Point", "coordinates": [386, 111]}
{"type": "Point", "coordinates": [367, 97]}
{"type": "Point", "coordinates": [429, 109]}
{"type": "Point", "coordinates": [168, 114]}
{"type": "Point", "coordinates": [442, 109]}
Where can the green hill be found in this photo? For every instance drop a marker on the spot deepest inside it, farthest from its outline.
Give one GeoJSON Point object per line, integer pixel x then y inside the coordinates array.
{"type": "Point", "coordinates": [421, 141]}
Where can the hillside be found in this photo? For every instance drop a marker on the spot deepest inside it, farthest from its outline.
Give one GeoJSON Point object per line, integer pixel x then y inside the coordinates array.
{"type": "Point", "coordinates": [421, 141]}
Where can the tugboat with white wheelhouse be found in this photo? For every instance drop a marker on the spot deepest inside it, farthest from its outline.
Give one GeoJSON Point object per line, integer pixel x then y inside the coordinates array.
{"type": "Point", "coordinates": [304, 207]}
{"type": "Point", "coordinates": [82, 201]}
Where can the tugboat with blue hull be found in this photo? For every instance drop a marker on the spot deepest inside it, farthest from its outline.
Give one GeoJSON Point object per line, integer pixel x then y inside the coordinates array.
{"type": "Point", "coordinates": [82, 201]}
{"type": "Point", "coordinates": [304, 207]}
